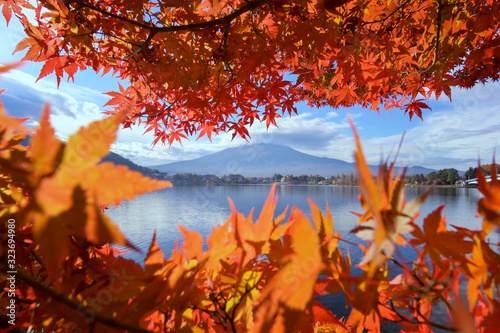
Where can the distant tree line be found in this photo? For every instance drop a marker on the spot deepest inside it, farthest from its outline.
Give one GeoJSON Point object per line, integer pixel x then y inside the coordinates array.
{"type": "Point", "coordinates": [441, 177]}
{"type": "Point", "coordinates": [448, 176]}
{"type": "Point", "coordinates": [194, 179]}
{"type": "Point", "coordinates": [472, 172]}
{"type": "Point", "coordinates": [340, 179]}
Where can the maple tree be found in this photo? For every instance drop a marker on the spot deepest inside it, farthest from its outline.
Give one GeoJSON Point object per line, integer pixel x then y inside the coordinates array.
{"type": "Point", "coordinates": [253, 276]}
{"type": "Point", "coordinates": [208, 66]}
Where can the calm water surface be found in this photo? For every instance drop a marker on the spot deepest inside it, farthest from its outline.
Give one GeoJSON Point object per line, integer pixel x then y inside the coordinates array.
{"type": "Point", "coordinates": [202, 207]}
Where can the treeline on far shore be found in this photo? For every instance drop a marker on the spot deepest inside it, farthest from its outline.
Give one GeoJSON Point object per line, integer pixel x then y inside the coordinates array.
{"type": "Point", "coordinates": [441, 177]}
{"type": "Point", "coordinates": [449, 176]}
{"type": "Point", "coordinates": [340, 179]}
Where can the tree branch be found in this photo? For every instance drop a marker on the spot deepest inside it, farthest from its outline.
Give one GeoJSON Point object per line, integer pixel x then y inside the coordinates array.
{"type": "Point", "coordinates": [392, 13]}
{"type": "Point", "coordinates": [111, 322]}
{"type": "Point", "coordinates": [436, 42]}
{"type": "Point", "coordinates": [118, 17]}
{"type": "Point", "coordinates": [143, 45]}
{"type": "Point", "coordinates": [177, 28]}
{"type": "Point", "coordinates": [226, 34]}
{"type": "Point", "coordinates": [222, 20]}
{"type": "Point", "coordinates": [429, 322]}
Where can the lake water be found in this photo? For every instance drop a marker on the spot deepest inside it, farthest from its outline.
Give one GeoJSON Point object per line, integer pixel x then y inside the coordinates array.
{"type": "Point", "coordinates": [201, 207]}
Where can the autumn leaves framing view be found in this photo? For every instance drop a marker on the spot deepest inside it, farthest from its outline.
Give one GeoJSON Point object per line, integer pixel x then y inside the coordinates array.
{"type": "Point", "coordinates": [107, 103]}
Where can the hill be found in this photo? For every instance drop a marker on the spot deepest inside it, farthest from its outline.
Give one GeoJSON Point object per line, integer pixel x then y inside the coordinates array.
{"type": "Point", "coordinates": [120, 160]}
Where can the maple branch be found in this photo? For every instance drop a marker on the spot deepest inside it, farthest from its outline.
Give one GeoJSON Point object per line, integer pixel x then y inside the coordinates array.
{"type": "Point", "coordinates": [111, 322]}
{"type": "Point", "coordinates": [430, 288]}
{"type": "Point", "coordinates": [170, 105]}
{"type": "Point", "coordinates": [255, 28]}
{"type": "Point", "coordinates": [220, 311]}
{"type": "Point", "coordinates": [143, 45]}
{"type": "Point", "coordinates": [119, 38]}
{"type": "Point", "coordinates": [247, 291]}
{"type": "Point", "coordinates": [116, 16]}
{"type": "Point", "coordinates": [392, 13]}
{"type": "Point", "coordinates": [393, 308]}
{"type": "Point", "coordinates": [222, 20]}
{"type": "Point", "coordinates": [345, 240]}
{"type": "Point", "coordinates": [39, 260]}
{"type": "Point", "coordinates": [250, 5]}
{"type": "Point", "coordinates": [226, 62]}
{"type": "Point", "coordinates": [165, 321]}
{"type": "Point", "coordinates": [429, 322]}
{"type": "Point", "coordinates": [436, 42]}
{"type": "Point", "coordinates": [4, 324]}
{"type": "Point", "coordinates": [416, 321]}
{"type": "Point", "coordinates": [406, 269]}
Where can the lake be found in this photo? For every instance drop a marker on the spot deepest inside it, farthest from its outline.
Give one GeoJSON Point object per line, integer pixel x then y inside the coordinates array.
{"type": "Point", "coordinates": [201, 207]}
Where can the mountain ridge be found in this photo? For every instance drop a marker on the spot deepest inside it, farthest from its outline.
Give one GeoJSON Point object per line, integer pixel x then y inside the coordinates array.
{"type": "Point", "coordinates": [120, 160]}
{"type": "Point", "coordinates": [264, 160]}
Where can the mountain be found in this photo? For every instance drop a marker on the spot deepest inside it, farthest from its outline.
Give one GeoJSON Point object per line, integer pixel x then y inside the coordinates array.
{"type": "Point", "coordinates": [414, 170]}
{"type": "Point", "coordinates": [264, 160]}
{"type": "Point", "coordinates": [120, 160]}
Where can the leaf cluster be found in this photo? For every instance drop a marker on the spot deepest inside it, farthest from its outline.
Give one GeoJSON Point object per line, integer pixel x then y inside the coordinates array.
{"type": "Point", "coordinates": [258, 276]}
{"type": "Point", "coordinates": [202, 67]}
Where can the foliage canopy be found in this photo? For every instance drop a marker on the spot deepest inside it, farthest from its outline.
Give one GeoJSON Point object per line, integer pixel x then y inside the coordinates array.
{"type": "Point", "coordinates": [207, 66]}
{"type": "Point", "coordinates": [260, 276]}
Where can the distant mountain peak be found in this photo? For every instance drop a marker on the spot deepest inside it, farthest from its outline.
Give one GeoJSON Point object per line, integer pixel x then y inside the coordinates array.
{"type": "Point", "coordinates": [264, 159]}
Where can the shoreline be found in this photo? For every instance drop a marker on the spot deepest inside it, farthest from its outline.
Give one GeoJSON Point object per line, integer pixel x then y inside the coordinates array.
{"type": "Point", "coordinates": [447, 186]}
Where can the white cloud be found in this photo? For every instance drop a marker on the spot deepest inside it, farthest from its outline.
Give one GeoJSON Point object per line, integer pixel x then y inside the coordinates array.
{"type": "Point", "coordinates": [331, 114]}
{"type": "Point", "coordinates": [24, 97]}
{"type": "Point", "coordinates": [453, 136]}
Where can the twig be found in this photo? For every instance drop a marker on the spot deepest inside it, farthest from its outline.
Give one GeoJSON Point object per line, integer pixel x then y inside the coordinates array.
{"type": "Point", "coordinates": [436, 42]}
{"type": "Point", "coordinates": [118, 17]}
{"type": "Point", "coordinates": [111, 322]}
{"type": "Point", "coordinates": [452, 329]}
{"type": "Point", "coordinates": [177, 28]}
{"type": "Point", "coordinates": [143, 45]}
{"type": "Point", "coordinates": [406, 269]}
{"type": "Point", "coordinates": [401, 317]}
{"type": "Point", "coordinates": [392, 13]}
{"type": "Point", "coordinates": [39, 260]}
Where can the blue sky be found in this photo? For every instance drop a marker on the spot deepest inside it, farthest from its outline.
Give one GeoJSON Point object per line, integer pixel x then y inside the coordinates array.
{"type": "Point", "coordinates": [451, 135]}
